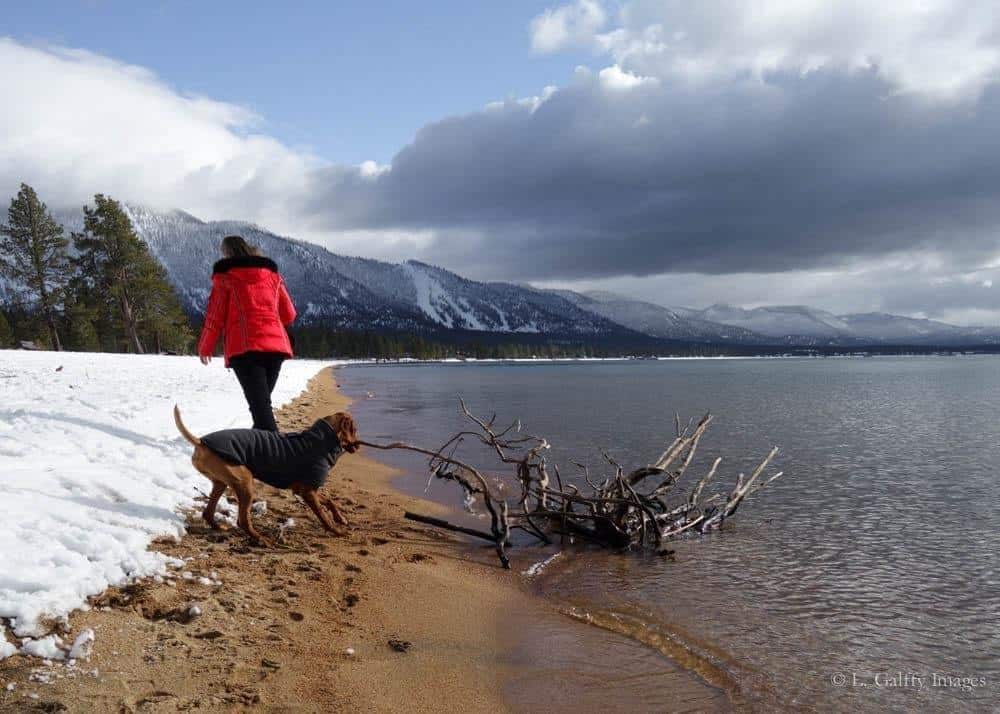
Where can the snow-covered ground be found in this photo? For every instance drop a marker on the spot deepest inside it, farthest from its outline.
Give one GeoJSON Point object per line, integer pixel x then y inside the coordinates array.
{"type": "Point", "coordinates": [92, 469]}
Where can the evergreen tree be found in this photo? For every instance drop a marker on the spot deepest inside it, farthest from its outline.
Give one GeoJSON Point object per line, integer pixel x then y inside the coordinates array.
{"type": "Point", "coordinates": [81, 320]}
{"type": "Point", "coordinates": [34, 249]}
{"type": "Point", "coordinates": [6, 332]}
{"type": "Point", "coordinates": [164, 323]}
{"type": "Point", "coordinates": [88, 300]}
{"type": "Point", "coordinates": [128, 286]}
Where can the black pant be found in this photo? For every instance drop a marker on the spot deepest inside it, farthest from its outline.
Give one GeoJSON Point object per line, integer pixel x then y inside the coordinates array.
{"type": "Point", "coordinates": [258, 373]}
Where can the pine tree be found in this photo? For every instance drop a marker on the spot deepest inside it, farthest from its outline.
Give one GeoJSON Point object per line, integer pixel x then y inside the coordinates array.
{"type": "Point", "coordinates": [126, 281]}
{"type": "Point", "coordinates": [81, 315]}
{"type": "Point", "coordinates": [163, 322]}
{"type": "Point", "coordinates": [89, 301]}
{"type": "Point", "coordinates": [35, 255]}
{"type": "Point", "coordinates": [6, 332]}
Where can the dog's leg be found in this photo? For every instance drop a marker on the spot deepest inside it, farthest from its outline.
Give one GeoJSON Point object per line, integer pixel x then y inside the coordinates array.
{"type": "Point", "coordinates": [313, 501]}
{"type": "Point", "coordinates": [218, 488]}
{"type": "Point", "coordinates": [329, 504]}
{"type": "Point", "coordinates": [244, 496]}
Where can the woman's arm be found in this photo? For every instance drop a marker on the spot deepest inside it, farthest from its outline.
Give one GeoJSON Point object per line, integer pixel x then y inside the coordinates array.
{"type": "Point", "coordinates": [286, 309]}
{"type": "Point", "coordinates": [215, 317]}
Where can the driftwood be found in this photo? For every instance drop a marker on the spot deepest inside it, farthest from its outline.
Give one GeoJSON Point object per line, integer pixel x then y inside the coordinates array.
{"type": "Point", "coordinates": [441, 523]}
{"type": "Point", "coordinates": [640, 509]}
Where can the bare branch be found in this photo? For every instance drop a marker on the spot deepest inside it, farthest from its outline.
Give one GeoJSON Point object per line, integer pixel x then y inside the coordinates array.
{"type": "Point", "coordinates": [614, 513]}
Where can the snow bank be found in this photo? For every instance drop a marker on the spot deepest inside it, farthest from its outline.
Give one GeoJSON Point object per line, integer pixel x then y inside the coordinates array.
{"type": "Point", "coordinates": [92, 469]}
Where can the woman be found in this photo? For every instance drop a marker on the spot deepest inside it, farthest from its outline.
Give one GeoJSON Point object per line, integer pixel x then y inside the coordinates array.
{"type": "Point", "coordinates": [250, 307]}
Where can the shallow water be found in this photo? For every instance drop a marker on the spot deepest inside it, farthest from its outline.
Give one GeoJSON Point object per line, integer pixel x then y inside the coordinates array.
{"type": "Point", "coordinates": [865, 578]}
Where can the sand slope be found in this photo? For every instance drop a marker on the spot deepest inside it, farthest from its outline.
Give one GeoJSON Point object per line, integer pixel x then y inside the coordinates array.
{"type": "Point", "coordinates": [274, 634]}
{"type": "Point", "coordinates": [273, 626]}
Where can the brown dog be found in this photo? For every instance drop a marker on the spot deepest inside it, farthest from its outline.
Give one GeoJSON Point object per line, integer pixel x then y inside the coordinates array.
{"type": "Point", "coordinates": [233, 458]}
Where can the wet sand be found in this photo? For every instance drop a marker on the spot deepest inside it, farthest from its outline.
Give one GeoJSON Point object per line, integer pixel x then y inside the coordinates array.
{"type": "Point", "coordinates": [394, 617]}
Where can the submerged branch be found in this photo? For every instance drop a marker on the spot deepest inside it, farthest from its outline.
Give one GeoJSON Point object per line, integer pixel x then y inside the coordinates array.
{"type": "Point", "coordinates": [624, 510]}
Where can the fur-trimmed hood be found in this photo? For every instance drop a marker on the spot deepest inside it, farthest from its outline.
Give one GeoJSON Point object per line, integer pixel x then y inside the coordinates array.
{"type": "Point", "coordinates": [246, 261]}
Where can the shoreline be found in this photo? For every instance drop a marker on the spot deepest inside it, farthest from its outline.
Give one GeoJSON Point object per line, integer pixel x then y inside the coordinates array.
{"type": "Point", "coordinates": [595, 644]}
{"type": "Point", "coordinates": [450, 361]}
{"type": "Point", "coordinates": [273, 627]}
{"type": "Point", "coordinates": [395, 616]}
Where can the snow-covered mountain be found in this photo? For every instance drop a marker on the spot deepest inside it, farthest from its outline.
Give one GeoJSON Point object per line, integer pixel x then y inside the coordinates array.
{"type": "Point", "coordinates": [779, 321]}
{"type": "Point", "coordinates": [663, 322]}
{"type": "Point", "coordinates": [798, 324]}
{"type": "Point", "coordinates": [360, 293]}
{"type": "Point", "coordinates": [882, 326]}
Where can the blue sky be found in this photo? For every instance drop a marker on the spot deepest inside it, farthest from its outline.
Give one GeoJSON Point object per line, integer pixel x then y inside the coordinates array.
{"type": "Point", "coordinates": [351, 81]}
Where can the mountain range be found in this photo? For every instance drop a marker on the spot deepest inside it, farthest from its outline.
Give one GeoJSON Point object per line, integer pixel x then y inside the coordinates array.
{"type": "Point", "coordinates": [347, 292]}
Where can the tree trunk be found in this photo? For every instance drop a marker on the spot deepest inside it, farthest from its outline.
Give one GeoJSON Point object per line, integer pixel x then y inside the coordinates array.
{"type": "Point", "coordinates": [50, 321]}
{"type": "Point", "coordinates": [129, 321]}
{"type": "Point", "coordinates": [53, 333]}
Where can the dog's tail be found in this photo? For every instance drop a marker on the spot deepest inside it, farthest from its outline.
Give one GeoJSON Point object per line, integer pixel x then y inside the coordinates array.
{"type": "Point", "coordinates": [183, 429]}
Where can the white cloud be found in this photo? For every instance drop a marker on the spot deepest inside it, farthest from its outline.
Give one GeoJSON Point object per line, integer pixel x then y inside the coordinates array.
{"type": "Point", "coordinates": [938, 48]}
{"type": "Point", "coordinates": [532, 102]}
{"type": "Point", "coordinates": [613, 78]}
{"type": "Point", "coordinates": [76, 123]}
{"type": "Point", "coordinates": [371, 169]}
{"type": "Point", "coordinates": [562, 27]}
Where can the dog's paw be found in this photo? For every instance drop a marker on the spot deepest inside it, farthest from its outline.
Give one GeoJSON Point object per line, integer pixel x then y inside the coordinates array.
{"type": "Point", "coordinates": [338, 516]}
{"type": "Point", "coordinates": [262, 542]}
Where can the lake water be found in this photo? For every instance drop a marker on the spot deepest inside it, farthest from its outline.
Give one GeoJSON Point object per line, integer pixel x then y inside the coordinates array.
{"type": "Point", "coordinates": [866, 578]}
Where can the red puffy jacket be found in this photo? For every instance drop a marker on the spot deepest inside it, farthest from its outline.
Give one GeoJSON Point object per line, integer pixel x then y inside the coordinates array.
{"type": "Point", "coordinates": [249, 306]}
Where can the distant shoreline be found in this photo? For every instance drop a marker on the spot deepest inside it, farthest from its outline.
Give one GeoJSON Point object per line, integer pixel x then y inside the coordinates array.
{"type": "Point", "coordinates": [378, 362]}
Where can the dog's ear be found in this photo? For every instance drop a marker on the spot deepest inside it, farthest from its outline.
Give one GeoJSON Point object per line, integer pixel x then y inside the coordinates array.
{"type": "Point", "coordinates": [347, 431]}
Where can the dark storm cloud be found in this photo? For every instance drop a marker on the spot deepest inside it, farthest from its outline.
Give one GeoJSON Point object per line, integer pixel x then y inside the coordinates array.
{"type": "Point", "coordinates": [796, 172]}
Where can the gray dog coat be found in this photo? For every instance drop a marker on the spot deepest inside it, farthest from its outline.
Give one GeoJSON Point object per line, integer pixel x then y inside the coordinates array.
{"type": "Point", "coordinates": [280, 460]}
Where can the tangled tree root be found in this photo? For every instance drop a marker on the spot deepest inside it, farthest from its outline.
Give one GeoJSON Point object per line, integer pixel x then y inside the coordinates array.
{"type": "Point", "coordinates": [624, 510]}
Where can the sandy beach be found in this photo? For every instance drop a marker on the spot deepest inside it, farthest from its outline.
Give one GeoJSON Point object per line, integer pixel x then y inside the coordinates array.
{"type": "Point", "coordinates": [394, 617]}
{"type": "Point", "coordinates": [276, 631]}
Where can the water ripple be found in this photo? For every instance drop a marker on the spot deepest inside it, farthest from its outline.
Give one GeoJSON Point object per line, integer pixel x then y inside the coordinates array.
{"type": "Point", "coordinates": [877, 553]}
